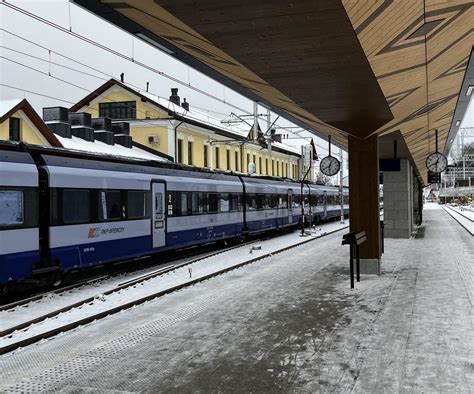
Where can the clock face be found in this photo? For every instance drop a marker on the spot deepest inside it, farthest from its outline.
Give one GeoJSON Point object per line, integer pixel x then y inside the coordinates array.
{"type": "Point", "coordinates": [329, 166]}
{"type": "Point", "coordinates": [436, 162]}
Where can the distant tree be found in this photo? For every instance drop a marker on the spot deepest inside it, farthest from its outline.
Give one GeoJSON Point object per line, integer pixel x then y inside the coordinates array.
{"type": "Point", "coordinates": [322, 179]}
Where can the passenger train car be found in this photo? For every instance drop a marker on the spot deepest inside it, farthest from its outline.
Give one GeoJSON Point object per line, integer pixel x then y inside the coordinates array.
{"type": "Point", "coordinates": [62, 211]}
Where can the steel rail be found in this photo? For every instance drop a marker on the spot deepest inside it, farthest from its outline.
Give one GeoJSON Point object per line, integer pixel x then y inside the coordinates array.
{"type": "Point", "coordinates": [100, 315]}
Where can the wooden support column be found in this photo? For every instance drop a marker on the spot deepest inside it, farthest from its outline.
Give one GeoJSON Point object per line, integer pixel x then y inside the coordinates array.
{"type": "Point", "coordinates": [364, 206]}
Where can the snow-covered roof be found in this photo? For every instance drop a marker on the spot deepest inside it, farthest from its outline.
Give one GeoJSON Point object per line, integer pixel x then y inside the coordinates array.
{"type": "Point", "coordinates": [199, 116]}
{"type": "Point", "coordinates": [75, 143]}
{"type": "Point", "coordinates": [206, 118]}
{"type": "Point", "coordinates": [193, 113]}
{"type": "Point", "coordinates": [7, 105]}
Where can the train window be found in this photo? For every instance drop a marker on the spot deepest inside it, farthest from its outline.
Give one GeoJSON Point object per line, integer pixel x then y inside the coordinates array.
{"type": "Point", "coordinates": [224, 205]}
{"type": "Point", "coordinates": [199, 203]}
{"type": "Point", "coordinates": [320, 199]}
{"type": "Point", "coordinates": [212, 202]}
{"type": "Point", "coordinates": [109, 205]}
{"type": "Point", "coordinates": [282, 201]}
{"type": "Point", "coordinates": [235, 201]}
{"type": "Point", "coordinates": [136, 204]}
{"type": "Point", "coordinates": [11, 207]}
{"type": "Point", "coordinates": [76, 206]}
{"type": "Point", "coordinates": [251, 202]}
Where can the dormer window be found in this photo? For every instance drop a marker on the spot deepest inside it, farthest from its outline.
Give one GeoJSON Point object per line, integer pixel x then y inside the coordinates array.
{"type": "Point", "coordinates": [118, 110]}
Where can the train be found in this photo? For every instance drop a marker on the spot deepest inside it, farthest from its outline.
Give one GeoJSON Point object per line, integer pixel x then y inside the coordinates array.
{"type": "Point", "coordinates": [63, 211]}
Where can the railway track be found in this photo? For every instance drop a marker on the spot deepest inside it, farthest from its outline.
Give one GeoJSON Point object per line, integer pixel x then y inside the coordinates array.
{"type": "Point", "coordinates": [152, 262]}
{"type": "Point", "coordinates": [140, 289]}
{"type": "Point", "coordinates": [463, 219]}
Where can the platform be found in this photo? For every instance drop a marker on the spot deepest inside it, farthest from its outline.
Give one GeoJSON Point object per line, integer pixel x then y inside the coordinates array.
{"type": "Point", "coordinates": [286, 323]}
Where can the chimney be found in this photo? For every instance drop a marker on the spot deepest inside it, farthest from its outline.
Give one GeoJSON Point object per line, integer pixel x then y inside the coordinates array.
{"type": "Point", "coordinates": [185, 104]}
{"type": "Point", "coordinates": [277, 138]}
{"type": "Point", "coordinates": [57, 120]}
{"type": "Point", "coordinates": [122, 77]}
{"type": "Point", "coordinates": [174, 98]}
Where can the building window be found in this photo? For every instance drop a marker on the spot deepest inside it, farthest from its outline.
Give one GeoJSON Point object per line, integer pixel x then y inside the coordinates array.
{"type": "Point", "coordinates": [206, 152]}
{"type": "Point", "coordinates": [286, 170]}
{"type": "Point", "coordinates": [118, 110]}
{"type": "Point", "coordinates": [217, 157]}
{"type": "Point", "coordinates": [180, 151]}
{"type": "Point", "coordinates": [190, 153]}
{"type": "Point", "coordinates": [14, 129]}
{"type": "Point", "coordinates": [260, 165]}
{"type": "Point", "coordinates": [266, 166]}
{"type": "Point", "coordinates": [228, 158]}
{"type": "Point", "coordinates": [248, 161]}
{"type": "Point", "coordinates": [236, 161]}
{"type": "Point", "coordinates": [255, 161]}
{"type": "Point", "coordinates": [273, 167]}
{"type": "Point", "coordinates": [278, 168]}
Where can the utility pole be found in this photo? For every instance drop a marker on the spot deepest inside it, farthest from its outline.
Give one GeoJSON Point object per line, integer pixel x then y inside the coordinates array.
{"type": "Point", "coordinates": [255, 121]}
{"type": "Point", "coordinates": [341, 186]}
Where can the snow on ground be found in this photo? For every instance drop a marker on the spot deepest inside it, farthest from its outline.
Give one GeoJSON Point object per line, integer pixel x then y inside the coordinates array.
{"type": "Point", "coordinates": [206, 266]}
{"type": "Point", "coordinates": [288, 323]}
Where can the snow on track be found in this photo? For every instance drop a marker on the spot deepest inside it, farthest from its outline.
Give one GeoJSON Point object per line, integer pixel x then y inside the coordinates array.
{"type": "Point", "coordinates": [462, 217]}
{"type": "Point", "coordinates": [177, 277]}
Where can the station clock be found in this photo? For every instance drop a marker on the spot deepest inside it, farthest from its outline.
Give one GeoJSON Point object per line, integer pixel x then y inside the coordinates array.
{"type": "Point", "coordinates": [330, 166]}
{"type": "Point", "coordinates": [436, 162]}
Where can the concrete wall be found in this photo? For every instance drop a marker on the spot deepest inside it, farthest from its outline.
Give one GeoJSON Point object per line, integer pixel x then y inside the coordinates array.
{"type": "Point", "coordinates": [398, 201]}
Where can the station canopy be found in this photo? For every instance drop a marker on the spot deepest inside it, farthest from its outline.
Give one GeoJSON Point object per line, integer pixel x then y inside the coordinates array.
{"type": "Point", "coordinates": [339, 68]}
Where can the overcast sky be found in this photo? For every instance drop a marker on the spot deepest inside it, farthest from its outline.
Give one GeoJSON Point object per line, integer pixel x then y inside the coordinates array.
{"type": "Point", "coordinates": [26, 41]}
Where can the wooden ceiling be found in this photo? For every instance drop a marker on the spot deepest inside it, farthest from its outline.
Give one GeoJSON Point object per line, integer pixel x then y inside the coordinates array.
{"type": "Point", "coordinates": [338, 67]}
{"type": "Point", "coordinates": [301, 58]}
{"type": "Point", "coordinates": [421, 76]}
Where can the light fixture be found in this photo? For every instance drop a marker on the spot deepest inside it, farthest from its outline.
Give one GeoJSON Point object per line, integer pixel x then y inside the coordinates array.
{"type": "Point", "coordinates": [458, 122]}
{"type": "Point", "coordinates": [151, 41]}
{"type": "Point", "coordinates": [469, 90]}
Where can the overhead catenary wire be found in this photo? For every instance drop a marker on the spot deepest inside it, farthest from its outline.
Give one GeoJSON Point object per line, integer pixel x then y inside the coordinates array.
{"type": "Point", "coordinates": [134, 61]}
{"type": "Point", "coordinates": [75, 85]}
{"type": "Point", "coordinates": [111, 76]}
{"type": "Point", "coordinates": [108, 75]}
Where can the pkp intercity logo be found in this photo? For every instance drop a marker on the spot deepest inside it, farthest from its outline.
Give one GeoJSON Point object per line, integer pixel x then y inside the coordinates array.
{"type": "Point", "coordinates": [94, 232]}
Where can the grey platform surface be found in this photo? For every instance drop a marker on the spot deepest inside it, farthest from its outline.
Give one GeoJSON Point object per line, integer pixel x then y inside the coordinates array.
{"type": "Point", "coordinates": [288, 323]}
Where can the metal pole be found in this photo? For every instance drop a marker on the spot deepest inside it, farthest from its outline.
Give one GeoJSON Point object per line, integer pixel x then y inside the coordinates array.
{"type": "Point", "coordinates": [255, 121]}
{"type": "Point", "coordinates": [341, 187]}
{"type": "Point", "coordinates": [351, 265]}
{"type": "Point", "coordinates": [302, 207]}
{"type": "Point", "coordinates": [358, 263]}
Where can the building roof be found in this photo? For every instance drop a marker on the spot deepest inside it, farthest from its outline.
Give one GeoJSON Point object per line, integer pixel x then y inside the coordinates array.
{"type": "Point", "coordinates": [9, 107]}
{"type": "Point", "coordinates": [193, 116]}
{"type": "Point", "coordinates": [78, 144]}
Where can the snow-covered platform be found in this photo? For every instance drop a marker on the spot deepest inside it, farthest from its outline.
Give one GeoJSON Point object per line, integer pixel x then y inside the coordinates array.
{"type": "Point", "coordinates": [286, 323]}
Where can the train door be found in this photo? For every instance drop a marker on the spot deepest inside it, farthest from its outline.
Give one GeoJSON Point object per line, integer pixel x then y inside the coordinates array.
{"type": "Point", "coordinates": [158, 219]}
{"type": "Point", "coordinates": [290, 206]}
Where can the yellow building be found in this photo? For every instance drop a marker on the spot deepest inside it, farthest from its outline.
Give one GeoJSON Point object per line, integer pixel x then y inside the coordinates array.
{"type": "Point", "coordinates": [20, 122]}
{"type": "Point", "coordinates": [186, 134]}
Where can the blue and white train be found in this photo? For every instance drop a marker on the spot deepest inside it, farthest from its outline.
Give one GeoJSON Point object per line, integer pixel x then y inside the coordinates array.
{"type": "Point", "coordinates": [62, 211]}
